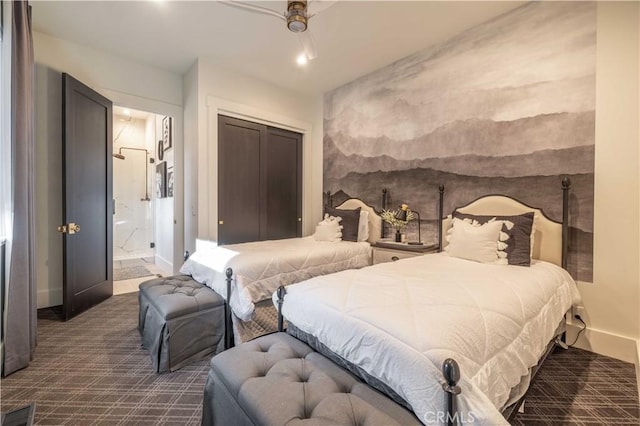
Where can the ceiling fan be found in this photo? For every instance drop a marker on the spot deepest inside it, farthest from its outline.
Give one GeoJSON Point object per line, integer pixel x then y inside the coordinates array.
{"type": "Point", "coordinates": [296, 17]}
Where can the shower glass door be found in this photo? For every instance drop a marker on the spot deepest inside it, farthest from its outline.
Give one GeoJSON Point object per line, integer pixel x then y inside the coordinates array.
{"type": "Point", "coordinates": [134, 136]}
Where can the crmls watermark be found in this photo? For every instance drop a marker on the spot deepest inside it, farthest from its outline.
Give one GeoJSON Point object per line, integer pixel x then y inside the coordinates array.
{"type": "Point", "coordinates": [443, 417]}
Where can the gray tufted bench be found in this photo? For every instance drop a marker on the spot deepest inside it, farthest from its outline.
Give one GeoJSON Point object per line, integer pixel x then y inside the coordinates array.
{"type": "Point", "coordinates": [180, 321]}
{"type": "Point", "coordinates": [278, 380]}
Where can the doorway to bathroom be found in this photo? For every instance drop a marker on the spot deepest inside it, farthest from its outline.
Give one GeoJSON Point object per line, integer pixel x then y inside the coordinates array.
{"type": "Point", "coordinates": [142, 197]}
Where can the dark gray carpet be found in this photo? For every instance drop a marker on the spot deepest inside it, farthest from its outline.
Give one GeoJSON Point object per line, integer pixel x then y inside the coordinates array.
{"type": "Point", "coordinates": [91, 370]}
{"type": "Point", "coordinates": [579, 387]}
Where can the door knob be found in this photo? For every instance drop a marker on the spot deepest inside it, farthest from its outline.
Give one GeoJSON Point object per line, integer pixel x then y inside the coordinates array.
{"type": "Point", "coordinates": [72, 228]}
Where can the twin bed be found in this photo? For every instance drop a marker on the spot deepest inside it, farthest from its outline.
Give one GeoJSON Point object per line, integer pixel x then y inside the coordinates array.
{"type": "Point", "coordinates": [257, 269]}
{"type": "Point", "coordinates": [396, 324]}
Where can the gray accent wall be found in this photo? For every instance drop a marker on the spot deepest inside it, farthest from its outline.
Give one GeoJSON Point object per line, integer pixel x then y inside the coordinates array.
{"type": "Point", "coordinates": [505, 107]}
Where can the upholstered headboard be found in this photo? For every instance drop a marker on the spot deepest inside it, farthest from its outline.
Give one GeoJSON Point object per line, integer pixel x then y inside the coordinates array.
{"type": "Point", "coordinates": [547, 239]}
{"type": "Point", "coordinates": [550, 238]}
{"type": "Point", "coordinates": [375, 221]}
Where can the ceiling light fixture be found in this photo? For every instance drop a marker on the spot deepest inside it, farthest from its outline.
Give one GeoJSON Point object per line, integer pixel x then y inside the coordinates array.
{"type": "Point", "coordinates": [302, 59]}
{"type": "Point", "coordinates": [297, 15]}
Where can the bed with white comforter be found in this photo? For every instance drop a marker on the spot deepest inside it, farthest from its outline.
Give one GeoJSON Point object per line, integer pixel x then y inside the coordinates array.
{"type": "Point", "coordinates": [399, 321]}
{"type": "Point", "coordinates": [260, 267]}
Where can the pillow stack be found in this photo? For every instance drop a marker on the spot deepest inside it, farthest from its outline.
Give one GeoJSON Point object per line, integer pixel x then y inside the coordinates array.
{"type": "Point", "coordinates": [485, 243]}
{"type": "Point", "coordinates": [515, 234]}
{"type": "Point", "coordinates": [355, 225]}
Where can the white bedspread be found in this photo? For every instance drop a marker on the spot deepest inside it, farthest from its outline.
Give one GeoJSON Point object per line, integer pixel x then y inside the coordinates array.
{"type": "Point", "coordinates": [399, 321]}
{"type": "Point", "coordinates": [261, 267]}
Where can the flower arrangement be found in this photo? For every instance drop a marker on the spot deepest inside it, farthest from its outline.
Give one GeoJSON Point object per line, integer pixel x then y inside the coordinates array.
{"type": "Point", "coordinates": [395, 217]}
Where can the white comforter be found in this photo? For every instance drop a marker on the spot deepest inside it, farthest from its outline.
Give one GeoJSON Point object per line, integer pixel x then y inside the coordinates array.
{"type": "Point", "coordinates": [399, 321]}
{"type": "Point", "coordinates": [259, 268]}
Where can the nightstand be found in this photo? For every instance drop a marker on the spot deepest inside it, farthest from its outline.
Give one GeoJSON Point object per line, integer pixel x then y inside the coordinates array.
{"type": "Point", "coordinates": [388, 251]}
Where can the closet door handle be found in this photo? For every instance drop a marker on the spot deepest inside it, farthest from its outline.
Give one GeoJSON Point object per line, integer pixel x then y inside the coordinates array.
{"type": "Point", "coordinates": [394, 258]}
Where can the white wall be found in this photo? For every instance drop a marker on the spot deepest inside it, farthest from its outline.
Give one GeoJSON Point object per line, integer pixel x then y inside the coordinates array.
{"type": "Point", "coordinates": [221, 90]}
{"type": "Point", "coordinates": [48, 197]}
{"type": "Point", "coordinates": [191, 137]}
{"type": "Point", "coordinates": [101, 70]}
{"type": "Point", "coordinates": [612, 301]}
{"type": "Point", "coordinates": [126, 83]}
{"type": "Point", "coordinates": [164, 210]}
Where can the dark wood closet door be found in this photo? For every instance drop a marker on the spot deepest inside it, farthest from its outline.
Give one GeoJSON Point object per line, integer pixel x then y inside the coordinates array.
{"type": "Point", "coordinates": [259, 182]}
{"type": "Point", "coordinates": [239, 201]}
{"type": "Point", "coordinates": [282, 176]}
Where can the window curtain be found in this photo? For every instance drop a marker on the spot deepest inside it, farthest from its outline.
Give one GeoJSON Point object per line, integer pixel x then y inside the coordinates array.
{"type": "Point", "coordinates": [21, 314]}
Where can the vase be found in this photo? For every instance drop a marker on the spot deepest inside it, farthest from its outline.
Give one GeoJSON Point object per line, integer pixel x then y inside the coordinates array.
{"type": "Point", "coordinates": [398, 236]}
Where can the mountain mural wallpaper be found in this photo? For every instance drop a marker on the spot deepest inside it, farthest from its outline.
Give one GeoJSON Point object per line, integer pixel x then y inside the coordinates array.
{"type": "Point", "coordinates": [506, 107]}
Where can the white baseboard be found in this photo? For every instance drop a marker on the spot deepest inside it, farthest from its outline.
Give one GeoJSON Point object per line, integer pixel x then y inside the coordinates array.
{"type": "Point", "coordinates": [164, 265]}
{"type": "Point", "coordinates": [49, 297]}
{"type": "Point", "coordinates": [603, 343]}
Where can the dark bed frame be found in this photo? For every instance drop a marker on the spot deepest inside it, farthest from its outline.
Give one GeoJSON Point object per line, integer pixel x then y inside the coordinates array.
{"type": "Point", "coordinates": [450, 368]}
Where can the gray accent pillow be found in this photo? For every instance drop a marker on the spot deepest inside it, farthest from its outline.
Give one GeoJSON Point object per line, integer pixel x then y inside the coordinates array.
{"type": "Point", "coordinates": [350, 221]}
{"type": "Point", "coordinates": [519, 242]}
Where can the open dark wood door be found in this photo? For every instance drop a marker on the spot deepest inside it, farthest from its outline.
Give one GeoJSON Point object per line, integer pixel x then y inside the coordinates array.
{"type": "Point", "coordinates": [87, 190]}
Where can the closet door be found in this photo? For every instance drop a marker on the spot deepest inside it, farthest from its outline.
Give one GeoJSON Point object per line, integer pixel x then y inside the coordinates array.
{"type": "Point", "coordinates": [282, 177]}
{"type": "Point", "coordinates": [259, 182]}
{"type": "Point", "coordinates": [239, 189]}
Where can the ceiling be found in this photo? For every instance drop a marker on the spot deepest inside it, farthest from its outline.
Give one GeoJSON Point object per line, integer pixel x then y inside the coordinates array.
{"type": "Point", "coordinates": [352, 38]}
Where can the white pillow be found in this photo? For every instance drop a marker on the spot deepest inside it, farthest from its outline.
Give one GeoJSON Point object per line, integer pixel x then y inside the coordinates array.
{"type": "Point", "coordinates": [363, 226]}
{"type": "Point", "coordinates": [329, 229]}
{"type": "Point", "coordinates": [481, 243]}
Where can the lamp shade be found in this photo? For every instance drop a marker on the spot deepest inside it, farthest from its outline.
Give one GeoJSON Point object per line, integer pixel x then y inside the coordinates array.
{"type": "Point", "coordinates": [401, 214]}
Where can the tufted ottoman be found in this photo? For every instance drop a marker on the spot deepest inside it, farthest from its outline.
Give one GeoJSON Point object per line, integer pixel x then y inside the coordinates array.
{"type": "Point", "coordinates": [180, 321]}
{"type": "Point", "coordinates": [278, 380]}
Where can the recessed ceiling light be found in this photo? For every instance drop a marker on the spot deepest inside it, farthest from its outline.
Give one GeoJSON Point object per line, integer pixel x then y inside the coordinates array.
{"type": "Point", "coordinates": [126, 111]}
{"type": "Point", "coordinates": [302, 59]}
